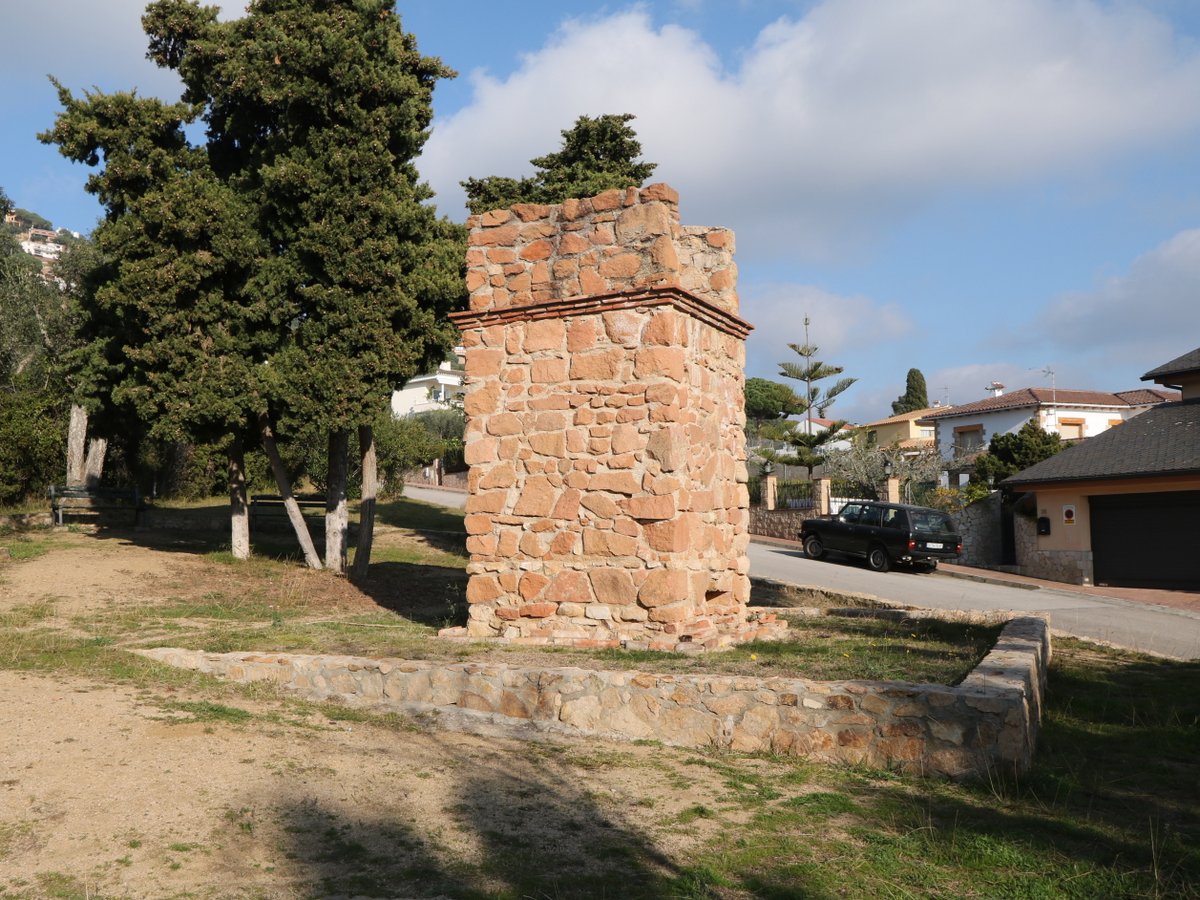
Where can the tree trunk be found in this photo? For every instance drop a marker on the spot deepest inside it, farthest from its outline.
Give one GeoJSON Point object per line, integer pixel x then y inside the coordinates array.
{"type": "Point", "coordinates": [366, 512]}
{"type": "Point", "coordinates": [337, 516]}
{"type": "Point", "coordinates": [76, 441]}
{"type": "Point", "coordinates": [239, 515]}
{"type": "Point", "coordinates": [285, 492]}
{"type": "Point", "coordinates": [93, 468]}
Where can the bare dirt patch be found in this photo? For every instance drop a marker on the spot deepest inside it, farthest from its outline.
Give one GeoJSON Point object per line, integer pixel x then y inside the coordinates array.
{"type": "Point", "coordinates": [142, 789]}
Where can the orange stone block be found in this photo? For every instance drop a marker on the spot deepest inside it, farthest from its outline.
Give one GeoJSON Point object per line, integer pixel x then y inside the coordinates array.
{"type": "Point", "coordinates": [478, 524]}
{"type": "Point", "coordinates": [569, 586]}
{"type": "Point", "coordinates": [624, 265]}
{"type": "Point", "coordinates": [548, 371]}
{"type": "Point", "coordinates": [483, 588]}
{"type": "Point", "coordinates": [671, 536]}
{"type": "Point", "coordinates": [663, 586]}
{"type": "Point", "coordinates": [537, 497]}
{"type": "Point", "coordinates": [544, 334]}
{"type": "Point", "coordinates": [649, 507]}
{"type": "Point", "coordinates": [613, 586]}
{"type": "Point", "coordinates": [542, 249]}
{"type": "Point", "coordinates": [537, 610]}
{"type": "Point", "coordinates": [666, 362]}
{"type": "Point", "coordinates": [590, 281]}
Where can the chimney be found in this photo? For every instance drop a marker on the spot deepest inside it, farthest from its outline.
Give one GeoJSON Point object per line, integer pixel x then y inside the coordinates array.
{"type": "Point", "coordinates": [995, 388]}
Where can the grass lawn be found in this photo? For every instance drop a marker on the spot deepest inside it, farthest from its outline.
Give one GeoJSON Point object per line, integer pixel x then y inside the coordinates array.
{"type": "Point", "coordinates": [1111, 807]}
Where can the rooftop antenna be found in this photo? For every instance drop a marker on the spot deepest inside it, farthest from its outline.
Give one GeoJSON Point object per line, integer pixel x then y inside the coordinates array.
{"type": "Point", "coordinates": [1049, 372]}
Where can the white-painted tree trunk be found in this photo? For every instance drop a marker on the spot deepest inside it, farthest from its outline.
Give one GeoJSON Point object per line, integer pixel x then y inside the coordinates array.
{"type": "Point", "coordinates": [76, 442]}
{"type": "Point", "coordinates": [239, 513]}
{"type": "Point", "coordinates": [337, 513]}
{"type": "Point", "coordinates": [366, 512]}
{"type": "Point", "coordinates": [93, 467]}
{"type": "Point", "coordinates": [284, 487]}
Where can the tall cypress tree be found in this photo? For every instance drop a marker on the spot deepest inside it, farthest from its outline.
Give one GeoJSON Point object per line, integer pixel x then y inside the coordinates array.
{"type": "Point", "coordinates": [170, 336]}
{"type": "Point", "coordinates": [316, 112]}
{"type": "Point", "coordinates": [297, 237]}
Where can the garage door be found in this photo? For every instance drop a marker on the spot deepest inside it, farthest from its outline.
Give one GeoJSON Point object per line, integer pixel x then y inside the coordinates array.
{"type": "Point", "coordinates": [1147, 540]}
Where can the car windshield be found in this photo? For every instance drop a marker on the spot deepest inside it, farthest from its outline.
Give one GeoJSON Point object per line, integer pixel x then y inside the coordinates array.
{"type": "Point", "coordinates": [931, 522]}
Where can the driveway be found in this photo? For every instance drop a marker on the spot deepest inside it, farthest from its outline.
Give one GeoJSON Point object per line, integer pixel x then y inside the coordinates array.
{"type": "Point", "coordinates": [1109, 620]}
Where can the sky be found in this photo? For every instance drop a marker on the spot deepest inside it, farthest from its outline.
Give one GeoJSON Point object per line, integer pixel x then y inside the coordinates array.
{"type": "Point", "coordinates": [985, 190]}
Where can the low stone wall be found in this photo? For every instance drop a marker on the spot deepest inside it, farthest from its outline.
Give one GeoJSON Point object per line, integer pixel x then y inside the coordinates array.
{"type": "Point", "coordinates": [979, 524]}
{"type": "Point", "coordinates": [27, 520]}
{"type": "Point", "coordinates": [987, 723]}
{"type": "Point", "coordinates": [1067, 566]}
{"type": "Point", "coordinates": [779, 523]}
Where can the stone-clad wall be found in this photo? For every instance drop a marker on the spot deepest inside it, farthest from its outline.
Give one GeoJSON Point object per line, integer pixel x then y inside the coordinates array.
{"type": "Point", "coordinates": [604, 400]}
{"type": "Point", "coordinates": [988, 723]}
{"type": "Point", "coordinates": [617, 241]}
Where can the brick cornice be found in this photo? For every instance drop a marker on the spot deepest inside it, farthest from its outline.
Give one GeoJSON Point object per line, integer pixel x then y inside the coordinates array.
{"type": "Point", "coordinates": [600, 303]}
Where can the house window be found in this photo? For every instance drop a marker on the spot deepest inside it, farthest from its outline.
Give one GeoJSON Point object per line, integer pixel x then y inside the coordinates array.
{"type": "Point", "coordinates": [872, 438]}
{"type": "Point", "coordinates": [968, 439]}
{"type": "Point", "coordinates": [1070, 429]}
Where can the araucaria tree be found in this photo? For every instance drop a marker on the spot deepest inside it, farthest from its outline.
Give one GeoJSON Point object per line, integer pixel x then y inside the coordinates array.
{"type": "Point", "coordinates": [309, 214]}
{"type": "Point", "coordinates": [808, 443]}
{"type": "Point", "coordinates": [597, 155]}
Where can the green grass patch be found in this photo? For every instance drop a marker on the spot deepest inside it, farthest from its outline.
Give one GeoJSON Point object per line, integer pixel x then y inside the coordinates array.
{"type": "Point", "coordinates": [205, 711]}
{"type": "Point", "coordinates": [22, 545]}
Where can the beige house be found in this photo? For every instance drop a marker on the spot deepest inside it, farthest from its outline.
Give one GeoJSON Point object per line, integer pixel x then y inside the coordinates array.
{"type": "Point", "coordinates": [902, 431]}
{"type": "Point", "coordinates": [1122, 508]}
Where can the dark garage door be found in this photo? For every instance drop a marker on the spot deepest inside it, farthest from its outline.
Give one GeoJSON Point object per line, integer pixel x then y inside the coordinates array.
{"type": "Point", "coordinates": [1147, 540]}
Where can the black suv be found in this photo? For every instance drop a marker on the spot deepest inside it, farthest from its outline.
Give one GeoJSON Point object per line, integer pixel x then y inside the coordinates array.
{"type": "Point", "coordinates": [884, 533]}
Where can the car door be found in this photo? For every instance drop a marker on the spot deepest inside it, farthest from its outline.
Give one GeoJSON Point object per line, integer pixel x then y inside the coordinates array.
{"type": "Point", "coordinates": [864, 531]}
{"type": "Point", "coordinates": [839, 529]}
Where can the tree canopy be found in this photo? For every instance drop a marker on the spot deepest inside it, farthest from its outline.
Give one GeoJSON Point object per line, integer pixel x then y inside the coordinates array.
{"type": "Point", "coordinates": [596, 155]}
{"type": "Point", "coordinates": [767, 400]}
{"type": "Point", "coordinates": [915, 395]}
{"type": "Point", "coordinates": [1008, 454]}
{"type": "Point", "coordinates": [287, 269]}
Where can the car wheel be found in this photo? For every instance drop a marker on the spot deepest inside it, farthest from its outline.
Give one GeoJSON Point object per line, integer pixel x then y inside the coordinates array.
{"type": "Point", "coordinates": [813, 548]}
{"type": "Point", "coordinates": [877, 559]}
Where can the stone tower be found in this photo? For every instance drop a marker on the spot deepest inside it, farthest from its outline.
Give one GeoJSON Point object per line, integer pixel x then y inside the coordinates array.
{"type": "Point", "coordinates": [604, 401]}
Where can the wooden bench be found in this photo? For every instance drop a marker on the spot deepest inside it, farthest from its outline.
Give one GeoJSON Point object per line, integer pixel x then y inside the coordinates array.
{"type": "Point", "coordinates": [78, 500]}
{"type": "Point", "coordinates": [270, 507]}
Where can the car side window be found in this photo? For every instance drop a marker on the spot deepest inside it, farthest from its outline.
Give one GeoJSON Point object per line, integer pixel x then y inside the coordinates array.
{"type": "Point", "coordinates": [892, 518]}
{"type": "Point", "coordinates": [851, 512]}
{"type": "Point", "coordinates": [870, 516]}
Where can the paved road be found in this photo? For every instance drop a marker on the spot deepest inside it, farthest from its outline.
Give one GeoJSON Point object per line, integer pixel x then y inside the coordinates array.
{"type": "Point", "coordinates": [1137, 626]}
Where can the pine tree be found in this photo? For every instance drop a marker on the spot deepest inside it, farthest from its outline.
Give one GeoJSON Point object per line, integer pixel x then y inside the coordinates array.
{"type": "Point", "coordinates": [596, 155]}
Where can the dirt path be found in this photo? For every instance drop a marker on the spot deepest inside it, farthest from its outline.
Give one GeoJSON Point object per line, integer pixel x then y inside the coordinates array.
{"type": "Point", "coordinates": [108, 790]}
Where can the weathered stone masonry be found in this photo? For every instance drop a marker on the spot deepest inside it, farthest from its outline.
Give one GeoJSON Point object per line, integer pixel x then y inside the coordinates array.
{"type": "Point", "coordinates": [604, 401]}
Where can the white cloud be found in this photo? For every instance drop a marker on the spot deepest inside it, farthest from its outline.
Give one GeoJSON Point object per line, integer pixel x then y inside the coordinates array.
{"type": "Point", "coordinates": [1133, 322]}
{"type": "Point", "coordinates": [839, 324]}
{"type": "Point", "coordinates": [852, 113]}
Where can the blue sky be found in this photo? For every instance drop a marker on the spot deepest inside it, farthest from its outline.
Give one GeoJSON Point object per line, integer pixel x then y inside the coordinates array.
{"type": "Point", "coordinates": [978, 188]}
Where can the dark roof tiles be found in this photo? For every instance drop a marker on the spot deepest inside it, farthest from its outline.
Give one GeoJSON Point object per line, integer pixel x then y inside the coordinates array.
{"type": "Point", "coordinates": [1180, 365]}
{"type": "Point", "coordinates": [1164, 440]}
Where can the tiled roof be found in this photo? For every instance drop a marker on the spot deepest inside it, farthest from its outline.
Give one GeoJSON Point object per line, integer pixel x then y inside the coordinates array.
{"type": "Point", "coordinates": [1144, 396]}
{"type": "Point", "coordinates": [916, 444]}
{"type": "Point", "coordinates": [1039, 397]}
{"type": "Point", "coordinates": [902, 417]}
{"type": "Point", "coordinates": [1164, 440]}
{"type": "Point", "coordinates": [1181, 365]}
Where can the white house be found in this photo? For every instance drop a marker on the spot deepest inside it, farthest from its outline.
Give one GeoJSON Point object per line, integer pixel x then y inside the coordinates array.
{"type": "Point", "coordinates": [962, 431]}
{"type": "Point", "coordinates": [440, 389]}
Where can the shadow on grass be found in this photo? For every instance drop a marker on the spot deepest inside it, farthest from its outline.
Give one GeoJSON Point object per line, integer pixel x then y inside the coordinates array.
{"type": "Point", "coordinates": [1111, 806]}
{"type": "Point", "coordinates": [505, 828]}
